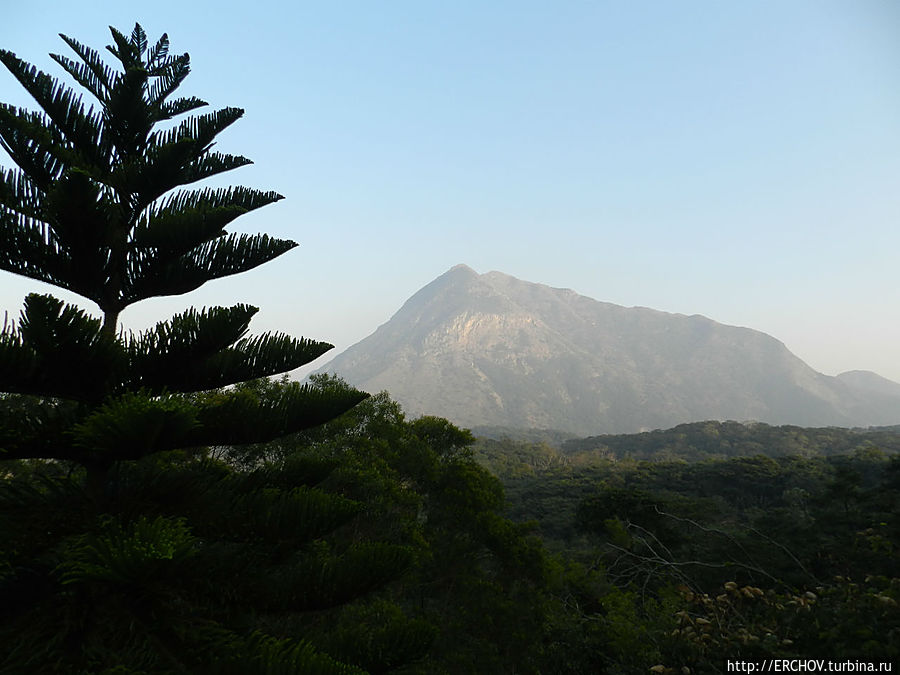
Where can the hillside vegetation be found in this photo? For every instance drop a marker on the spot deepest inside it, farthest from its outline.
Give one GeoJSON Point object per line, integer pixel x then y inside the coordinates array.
{"type": "Point", "coordinates": [505, 453]}
{"type": "Point", "coordinates": [731, 540]}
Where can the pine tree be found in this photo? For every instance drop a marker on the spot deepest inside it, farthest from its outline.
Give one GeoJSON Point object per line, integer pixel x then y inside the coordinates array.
{"type": "Point", "coordinates": [126, 546]}
{"type": "Point", "coordinates": [97, 207]}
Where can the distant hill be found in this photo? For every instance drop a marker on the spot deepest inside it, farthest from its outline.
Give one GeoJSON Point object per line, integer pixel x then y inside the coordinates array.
{"type": "Point", "coordinates": [512, 458]}
{"type": "Point", "coordinates": [704, 440]}
{"type": "Point", "coordinates": [490, 350]}
{"type": "Point", "coordinates": [866, 380]}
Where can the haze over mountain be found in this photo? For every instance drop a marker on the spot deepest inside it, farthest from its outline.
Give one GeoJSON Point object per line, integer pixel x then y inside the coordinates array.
{"type": "Point", "coordinates": [492, 350]}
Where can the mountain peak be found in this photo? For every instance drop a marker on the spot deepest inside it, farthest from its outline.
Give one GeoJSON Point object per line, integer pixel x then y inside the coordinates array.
{"type": "Point", "coordinates": [461, 270]}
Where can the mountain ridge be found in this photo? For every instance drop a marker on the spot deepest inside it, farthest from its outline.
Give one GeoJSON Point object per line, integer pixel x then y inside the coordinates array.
{"type": "Point", "coordinates": [493, 350]}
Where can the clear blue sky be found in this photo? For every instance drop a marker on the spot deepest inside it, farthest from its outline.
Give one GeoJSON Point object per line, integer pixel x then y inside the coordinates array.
{"type": "Point", "coordinates": [739, 160]}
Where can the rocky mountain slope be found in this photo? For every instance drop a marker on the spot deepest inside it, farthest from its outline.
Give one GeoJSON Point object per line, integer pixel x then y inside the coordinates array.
{"type": "Point", "coordinates": [492, 350]}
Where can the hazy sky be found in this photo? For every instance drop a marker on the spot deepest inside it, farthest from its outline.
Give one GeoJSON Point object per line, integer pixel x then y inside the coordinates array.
{"type": "Point", "coordinates": [739, 160]}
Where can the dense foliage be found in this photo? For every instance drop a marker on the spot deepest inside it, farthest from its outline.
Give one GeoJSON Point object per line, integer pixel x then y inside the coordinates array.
{"type": "Point", "coordinates": [389, 550]}
{"type": "Point", "coordinates": [754, 557]}
{"type": "Point", "coordinates": [484, 585]}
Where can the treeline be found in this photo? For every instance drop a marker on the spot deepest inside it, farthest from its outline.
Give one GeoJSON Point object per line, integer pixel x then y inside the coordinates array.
{"type": "Point", "coordinates": [510, 456]}
{"type": "Point", "coordinates": [701, 440]}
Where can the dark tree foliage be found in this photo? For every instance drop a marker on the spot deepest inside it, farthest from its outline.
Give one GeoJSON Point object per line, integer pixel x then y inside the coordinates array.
{"type": "Point", "coordinates": [127, 547]}
{"type": "Point", "coordinates": [494, 599]}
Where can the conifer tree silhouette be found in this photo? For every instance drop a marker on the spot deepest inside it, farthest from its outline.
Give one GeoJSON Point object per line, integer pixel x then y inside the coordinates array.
{"type": "Point", "coordinates": [120, 555]}
{"type": "Point", "coordinates": [97, 207]}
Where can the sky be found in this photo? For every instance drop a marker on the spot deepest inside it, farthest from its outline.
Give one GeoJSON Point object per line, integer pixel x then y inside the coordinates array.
{"type": "Point", "coordinates": [739, 160]}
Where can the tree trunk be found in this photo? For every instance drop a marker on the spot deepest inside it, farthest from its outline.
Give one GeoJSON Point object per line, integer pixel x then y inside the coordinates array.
{"type": "Point", "coordinates": [110, 321]}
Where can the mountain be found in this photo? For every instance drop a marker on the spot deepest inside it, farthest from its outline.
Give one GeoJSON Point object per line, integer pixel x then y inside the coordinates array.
{"type": "Point", "coordinates": [869, 381]}
{"type": "Point", "coordinates": [492, 350]}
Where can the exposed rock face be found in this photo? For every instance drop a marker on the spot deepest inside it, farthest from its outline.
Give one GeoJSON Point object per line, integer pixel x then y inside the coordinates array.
{"type": "Point", "coordinates": [489, 349]}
